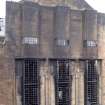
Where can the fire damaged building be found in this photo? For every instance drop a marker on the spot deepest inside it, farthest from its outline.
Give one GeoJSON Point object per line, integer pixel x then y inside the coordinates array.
{"type": "Point", "coordinates": [53, 53]}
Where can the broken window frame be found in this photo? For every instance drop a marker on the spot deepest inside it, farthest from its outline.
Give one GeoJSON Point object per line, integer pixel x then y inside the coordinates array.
{"type": "Point", "coordinates": [62, 84]}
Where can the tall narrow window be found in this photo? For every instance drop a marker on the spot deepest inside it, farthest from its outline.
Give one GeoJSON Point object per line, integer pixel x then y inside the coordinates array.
{"type": "Point", "coordinates": [91, 83]}
{"type": "Point", "coordinates": [62, 42]}
{"type": "Point", "coordinates": [30, 81]}
{"type": "Point", "coordinates": [90, 43]}
{"type": "Point", "coordinates": [63, 83]}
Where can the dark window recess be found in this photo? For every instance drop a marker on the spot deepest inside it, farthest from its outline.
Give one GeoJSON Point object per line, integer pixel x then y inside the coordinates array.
{"type": "Point", "coordinates": [62, 42]}
{"type": "Point", "coordinates": [30, 81]}
{"type": "Point", "coordinates": [90, 43]}
{"type": "Point", "coordinates": [31, 40]}
{"type": "Point", "coordinates": [91, 83]}
{"type": "Point", "coordinates": [63, 83]}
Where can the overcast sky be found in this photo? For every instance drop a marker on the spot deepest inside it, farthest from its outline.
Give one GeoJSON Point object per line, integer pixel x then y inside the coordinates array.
{"type": "Point", "coordinates": [99, 5]}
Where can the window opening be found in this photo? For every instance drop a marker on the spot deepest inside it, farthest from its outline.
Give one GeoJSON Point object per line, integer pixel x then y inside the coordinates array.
{"type": "Point", "coordinates": [62, 42]}
{"type": "Point", "coordinates": [30, 40]}
{"type": "Point", "coordinates": [63, 83]}
{"type": "Point", "coordinates": [90, 43]}
{"type": "Point", "coordinates": [91, 83]}
{"type": "Point", "coordinates": [30, 81]}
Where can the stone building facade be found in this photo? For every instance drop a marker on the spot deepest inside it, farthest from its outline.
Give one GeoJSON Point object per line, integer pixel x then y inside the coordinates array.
{"type": "Point", "coordinates": [53, 54]}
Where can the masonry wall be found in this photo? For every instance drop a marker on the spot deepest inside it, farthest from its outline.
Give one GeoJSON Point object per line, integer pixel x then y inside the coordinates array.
{"type": "Point", "coordinates": [48, 24]}
{"type": "Point", "coordinates": [28, 19]}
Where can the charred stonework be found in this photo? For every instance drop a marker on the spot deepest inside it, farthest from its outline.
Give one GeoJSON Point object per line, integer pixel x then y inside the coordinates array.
{"type": "Point", "coordinates": [27, 70]}
{"type": "Point", "coordinates": [63, 82]}
{"type": "Point", "coordinates": [53, 53]}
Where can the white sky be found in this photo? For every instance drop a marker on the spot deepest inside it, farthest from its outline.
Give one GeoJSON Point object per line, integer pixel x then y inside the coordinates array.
{"type": "Point", "coordinates": [99, 5]}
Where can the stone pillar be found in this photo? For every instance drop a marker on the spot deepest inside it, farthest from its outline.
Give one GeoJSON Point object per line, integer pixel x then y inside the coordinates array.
{"type": "Point", "coordinates": [47, 85]}
{"type": "Point", "coordinates": [103, 83]}
{"type": "Point", "coordinates": [99, 72]}
{"type": "Point", "coordinates": [81, 83]}
{"type": "Point", "coordinates": [77, 83]}
{"type": "Point", "coordinates": [18, 82]}
{"type": "Point", "coordinates": [18, 92]}
{"type": "Point", "coordinates": [73, 94]}
{"type": "Point", "coordinates": [52, 85]}
{"type": "Point", "coordinates": [42, 85]}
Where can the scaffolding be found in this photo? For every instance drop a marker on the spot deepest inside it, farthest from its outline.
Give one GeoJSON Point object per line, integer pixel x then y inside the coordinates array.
{"type": "Point", "coordinates": [91, 83]}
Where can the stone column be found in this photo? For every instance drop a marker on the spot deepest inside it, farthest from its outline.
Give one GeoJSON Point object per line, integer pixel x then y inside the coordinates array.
{"type": "Point", "coordinates": [47, 84]}
{"type": "Point", "coordinates": [18, 94]}
{"type": "Point", "coordinates": [103, 83]}
{"type": "Point", "coordinates": [99, 72]}
{"type": "Point", "coordinates": [42, 85]}
{"type": "Point", "coordinates": [81, 83]}
{"type": "Point", "coordinates": [77, 83]}
{"type": "Point", "coordinates": [18, 82]}
{"type": "Point", "coordinates": [52, 85]}
{"type": "Point", "coordinates": [73, 94]}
